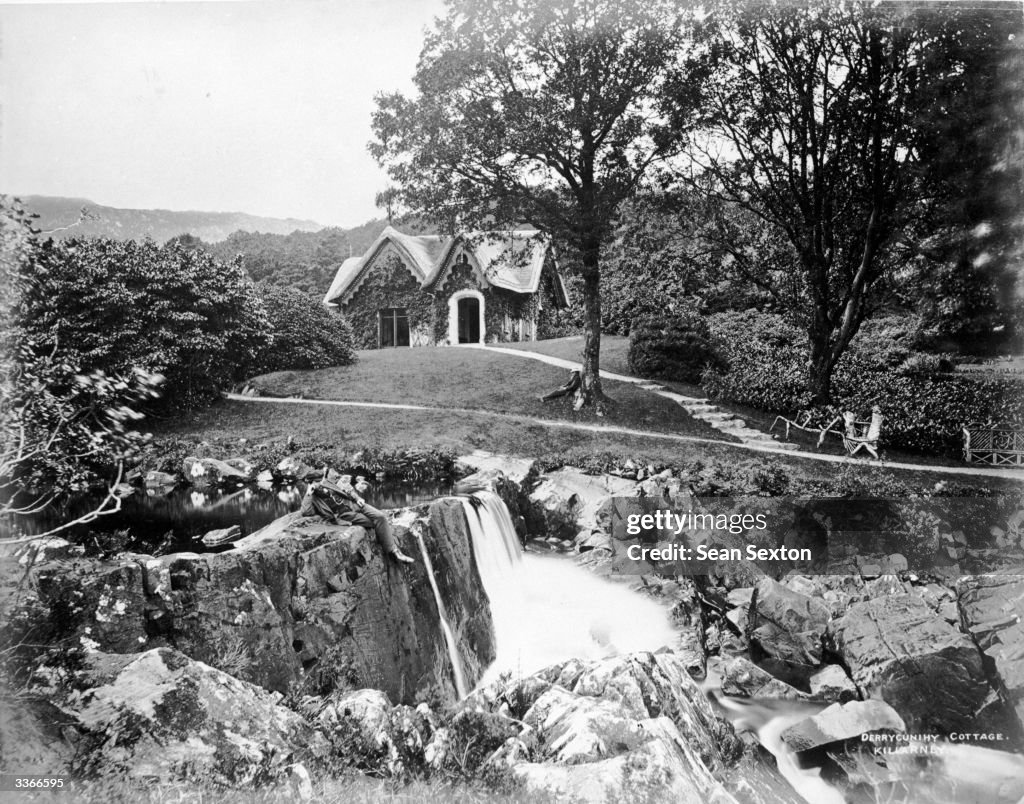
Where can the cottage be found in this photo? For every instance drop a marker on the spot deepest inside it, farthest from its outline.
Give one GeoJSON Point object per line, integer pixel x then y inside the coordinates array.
{"type": "Point", "coordinates": [421, 290]}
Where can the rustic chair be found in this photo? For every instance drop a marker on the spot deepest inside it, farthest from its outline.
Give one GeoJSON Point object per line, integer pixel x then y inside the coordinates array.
{"type": "Point", "coordinates": [809, 422]}
{"type": "Point", "coordinates": [859, 435]}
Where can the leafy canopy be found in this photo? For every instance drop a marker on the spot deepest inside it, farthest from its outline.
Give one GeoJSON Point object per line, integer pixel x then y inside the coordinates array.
{"type": "Point", "coordinates": [542, 112]}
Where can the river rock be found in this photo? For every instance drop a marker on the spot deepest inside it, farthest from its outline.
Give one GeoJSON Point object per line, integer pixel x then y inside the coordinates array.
{"type": "Point", "coordinates": [156, 480]}
{"type": "Point", "coordinates": [901, 651]}
{"type": "Point", "coordinates": [566, 501]}
{"type": "Point", "coordinates": [293, 467]}
{"type": "Point", "coordinates": [991, 609]}
{"type": "Point", "coordinates": [161, 716]}
{"type": "Point", "coordinates": [221, 536]}
{"type": "Point", "coordinates": [840, 722]}
{"type": "Point", "coordinates": [367, 709]}
{"type": "Point", "coordinates": [517, 470]}
{"type": "Point", "coordinates": [831, 683]}
{"type": "Point", "coordinates": [787, 625]}
{"type": "Point", "coordinates": [297, 601]}
{"type": "Point", "coordinates": [614, 731]}
{"type": "Point", "coordinates": [742, 678]}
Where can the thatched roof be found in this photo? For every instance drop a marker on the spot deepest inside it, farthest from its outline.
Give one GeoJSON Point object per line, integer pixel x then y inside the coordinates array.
{"type": "Point", "coordinates": [510, 260]}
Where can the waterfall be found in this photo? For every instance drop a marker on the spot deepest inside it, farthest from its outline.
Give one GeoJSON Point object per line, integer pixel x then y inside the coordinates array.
{"type": "Point", "coordinates": [545, 609]}
{"type": "Point", "coordinates": [461, 687]}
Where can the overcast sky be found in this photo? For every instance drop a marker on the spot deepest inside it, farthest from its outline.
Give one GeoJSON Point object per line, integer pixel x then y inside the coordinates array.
{"type": "Point", "coordinates": [259, 107]}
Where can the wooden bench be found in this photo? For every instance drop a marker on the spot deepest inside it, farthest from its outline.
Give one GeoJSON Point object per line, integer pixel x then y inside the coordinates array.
{"type": "Point", "coordinates": [994, 444]}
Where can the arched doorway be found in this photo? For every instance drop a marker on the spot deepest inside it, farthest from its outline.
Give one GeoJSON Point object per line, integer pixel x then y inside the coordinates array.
{"type": "Point", "coordinates": [469, 320]}
{"type": "Point", "coordinates": [466, 317]}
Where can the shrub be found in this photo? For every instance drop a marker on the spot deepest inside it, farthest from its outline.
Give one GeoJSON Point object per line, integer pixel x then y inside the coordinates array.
{"type": "Point", "coordinates": [116, 306]}
{"type": "Point", "coordinates": [304, 334]}
{"type": "Point", "coordinates": [923, 364]}
{"type": "Point", "coordinates": [676, 349]}
{"type": "Point", "coordinates": [924, 410]}
{"type": "Point", "coordinates": [64, 423]}
{"type": "Point", "coordinates": [766, 361]}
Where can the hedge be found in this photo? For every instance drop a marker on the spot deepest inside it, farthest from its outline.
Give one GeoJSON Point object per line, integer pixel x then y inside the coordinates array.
{"type": "Point", "coordinates": [675, 349]}
{"type": "Point", "coordinates": [767, 359]}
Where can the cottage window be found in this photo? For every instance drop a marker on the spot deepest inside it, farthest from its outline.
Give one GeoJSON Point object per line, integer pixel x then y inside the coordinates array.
{"type": "Point", "coordinates": [394, 327]}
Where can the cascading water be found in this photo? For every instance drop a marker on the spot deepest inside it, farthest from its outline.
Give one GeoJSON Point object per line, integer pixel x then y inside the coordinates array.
{"type": "Point", "coordinates": [546, 609]}
{"type": "Point", "coordinates": [461, 686]}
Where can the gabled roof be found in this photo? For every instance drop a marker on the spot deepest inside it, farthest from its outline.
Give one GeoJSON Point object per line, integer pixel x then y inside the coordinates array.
{"type": "Point", "coordinates": [419, 254]}
{"type": "Point", "coordinates": [510, 260]}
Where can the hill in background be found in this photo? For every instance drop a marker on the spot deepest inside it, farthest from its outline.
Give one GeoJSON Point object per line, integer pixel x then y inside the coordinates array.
{"type": "Point", "coordinates": [279, 251]}
{"type": "Point", "coordinates": [59, 217]}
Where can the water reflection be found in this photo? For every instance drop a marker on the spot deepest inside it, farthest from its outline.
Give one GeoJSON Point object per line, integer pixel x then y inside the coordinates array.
{"type": "Point", "coordinates": [176, 520]}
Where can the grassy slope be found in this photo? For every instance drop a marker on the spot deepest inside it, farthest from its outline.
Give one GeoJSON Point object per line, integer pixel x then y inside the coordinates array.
{"type": "Point", "coordinates": [475, 379]}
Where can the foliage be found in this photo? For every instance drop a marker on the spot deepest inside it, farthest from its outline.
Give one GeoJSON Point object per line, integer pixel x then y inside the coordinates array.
{"type": "Point", "coordinates": [304, 334]}
{"type": "Point", "coordinates": [305, 261]}
{"type": "Point", "coordinates": [820, 122]}
{"type": "Point", "coordinates": [924, 412]}
{"type": "Point", "coordinates": [677, 348]}
{"type": "Point", "coordinates": [661, 261]}
{"type": "Point", "coordinates": [64, 427]}
{"type": "Point", "coordinates": [540, 112]}
{"type": "Point", "coordinates": [412, 463]}
{"type": "Point", "coordinates": [113, 306]}
{"type": "Point", "coordinates": [391, 285]}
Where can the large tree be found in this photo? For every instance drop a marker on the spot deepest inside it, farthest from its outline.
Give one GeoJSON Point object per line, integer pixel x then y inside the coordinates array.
{"type": "Point", "coordinates": [545, 112]}
{"type": "Point", "coordinates": [819, 122]}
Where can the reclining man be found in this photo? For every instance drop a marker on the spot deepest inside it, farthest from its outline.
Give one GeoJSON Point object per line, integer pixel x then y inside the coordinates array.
{"type": "Point", "coordinates": [335, 500]}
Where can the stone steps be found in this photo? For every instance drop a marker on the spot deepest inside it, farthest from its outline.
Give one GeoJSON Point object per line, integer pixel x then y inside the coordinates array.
{"type": "Point", "coordinates": [722, 420]}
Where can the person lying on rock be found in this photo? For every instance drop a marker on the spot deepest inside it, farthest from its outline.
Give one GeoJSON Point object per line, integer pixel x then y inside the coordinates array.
{"type": "Point", "coordinates": [334, 499]}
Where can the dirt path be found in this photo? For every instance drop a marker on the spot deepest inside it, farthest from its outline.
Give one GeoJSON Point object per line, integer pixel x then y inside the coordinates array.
{"type": "Point", "coordinates": [968, 471]}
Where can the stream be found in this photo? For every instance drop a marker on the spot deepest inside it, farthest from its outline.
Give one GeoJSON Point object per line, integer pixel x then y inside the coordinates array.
{"type": "Point", "coordinates": [546, 609]}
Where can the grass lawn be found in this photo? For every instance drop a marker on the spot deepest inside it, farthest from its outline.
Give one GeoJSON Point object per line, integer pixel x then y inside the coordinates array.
{"type": "Point", "coordinates": [351, 429]}
{"type": "Point", "coordinates": [613, 350]}
{"type": "Point", "coordinates": [478, 380]}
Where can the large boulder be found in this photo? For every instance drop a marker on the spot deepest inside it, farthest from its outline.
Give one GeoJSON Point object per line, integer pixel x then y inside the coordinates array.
{"type": "Point", "coordinates": [298, 601]}
{"type": "Point", "coordinates": [840, 722]}
{"type": "Point", "coordinates": [991, 610]}
{"type": "Point", "coordinates": [516, 470]}
{"type": "Point", "coordinates": [631, 728]}
{"type": "Point", "coordinates": [161, 716]}
{"type": "Point", "coordinates": [900, 650]}
{"type": "Point", "coordinates": [744, 679]}
{"type": "Point", "coordinates": [787, 625]}
{"type": "Point", "coordinates": [567, 501]}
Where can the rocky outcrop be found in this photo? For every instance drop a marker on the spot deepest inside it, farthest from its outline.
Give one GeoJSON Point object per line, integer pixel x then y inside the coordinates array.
{"type": "Point", "coordinates": [832, 684]}
{"type": "Point", "coordinates": [298, 601]}
{"type": "Point", "coordinates": [898, 649]}
{"type": "Point", "coordinates": [631, 728]}
{"type": "Point", "coordinates": [566, 501]}
{"type": "Point", "coordinates": [161, 716]}
{"type": "Point", "coordinates": [840, 722]}
{"type": "Point", "coordinates": [992, 612]}
{"type": "Point", "coordinates": [787, 625]}
{"type": "Point", "coordinates": [743, 678]}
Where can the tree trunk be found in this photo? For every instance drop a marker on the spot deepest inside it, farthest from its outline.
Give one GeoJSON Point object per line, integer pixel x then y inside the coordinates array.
{"type": "Point", "coordinates": [589, 392]}
{"type": "Point", "coordinates": [819, 379]}
{"type": "Point", "coordinates": [819, 365]}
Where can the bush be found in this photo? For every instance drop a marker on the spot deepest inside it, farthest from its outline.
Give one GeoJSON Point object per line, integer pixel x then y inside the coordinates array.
{"type": "Point", "coordinates": [677, 349]}
{"type": "Point", "coordinates": [766, 360]}
{"type": "Point", "coordinates": [924, 410]}
{"type": "Point", "coordinates": [304, 334]}
{"type": "Point", "coordinates": [64, 424]}
{"type": "Point", "coordinates": [117, 306]}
